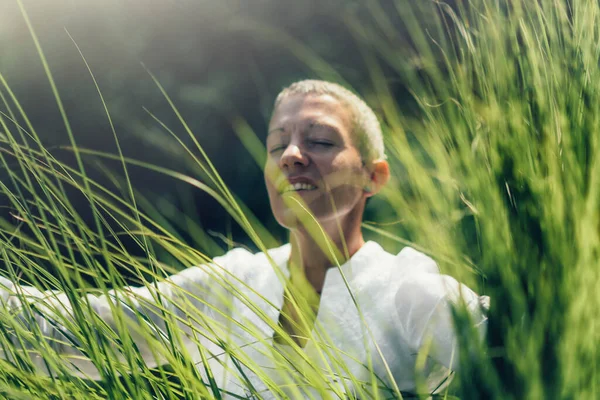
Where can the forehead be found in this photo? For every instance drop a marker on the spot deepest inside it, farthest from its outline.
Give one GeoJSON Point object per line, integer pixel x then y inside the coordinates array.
{"type": "Point", "coordinates": [310, 108]}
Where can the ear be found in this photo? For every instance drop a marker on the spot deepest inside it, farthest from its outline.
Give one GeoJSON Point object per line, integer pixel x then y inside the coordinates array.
{"type": "Point", "coordinates": [379, 175]}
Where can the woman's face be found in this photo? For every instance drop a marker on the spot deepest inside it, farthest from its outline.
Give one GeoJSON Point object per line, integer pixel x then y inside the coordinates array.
{"type": "Point", "coordinates": [313, 162]}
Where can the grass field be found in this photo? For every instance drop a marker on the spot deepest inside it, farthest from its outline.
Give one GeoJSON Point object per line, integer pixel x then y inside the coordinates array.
{"type": "Point", "coordinates": [496, 175]}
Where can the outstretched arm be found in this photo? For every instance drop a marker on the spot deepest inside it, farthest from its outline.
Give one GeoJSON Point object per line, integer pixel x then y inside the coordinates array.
{"type": "Point", "coordinates": [57, 331]}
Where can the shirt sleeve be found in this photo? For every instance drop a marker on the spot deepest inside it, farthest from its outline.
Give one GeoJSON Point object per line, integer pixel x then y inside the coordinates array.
{"type": "Point", "coordinates": [193, 301]}
{"type": "Point", "coordinates": [424, 303]}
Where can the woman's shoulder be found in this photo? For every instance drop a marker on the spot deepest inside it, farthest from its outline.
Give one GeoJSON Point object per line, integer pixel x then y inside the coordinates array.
{"type": "Point", "coordinates": [415, 277]}
{"type": "Point", "coordinates": [415, 261]}
{"type": "Point", "coordinates": [240, 258]}
{"type": "Point", "coordinates": [407, 262]}
{"type": "Point", "coordinates": [420, 279]}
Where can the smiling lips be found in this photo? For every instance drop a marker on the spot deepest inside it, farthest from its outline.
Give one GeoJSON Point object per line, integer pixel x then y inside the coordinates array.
{"type": "Point", "coordinates": [296, 184]}
{"type": "Point", "coordinates": [297, 187]}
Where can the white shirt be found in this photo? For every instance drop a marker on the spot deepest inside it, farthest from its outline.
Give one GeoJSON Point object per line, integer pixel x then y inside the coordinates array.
{"type": "Point", "coordinates": [376, 313]}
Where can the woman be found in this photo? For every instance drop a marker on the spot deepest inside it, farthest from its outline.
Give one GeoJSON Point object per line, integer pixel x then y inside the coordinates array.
{"type": "Point", "coordinates": [326, 314]}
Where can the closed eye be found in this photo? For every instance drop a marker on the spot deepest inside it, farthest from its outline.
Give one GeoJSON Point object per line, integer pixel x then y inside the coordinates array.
{"type": "Point", "coordinates": [275, 149]}
{"type": "Point", "coordinates": [321, 143]}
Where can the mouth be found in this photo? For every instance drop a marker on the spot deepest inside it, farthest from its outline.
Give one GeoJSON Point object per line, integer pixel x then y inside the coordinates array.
{"type": "Point", "coordinates": [297, 187]}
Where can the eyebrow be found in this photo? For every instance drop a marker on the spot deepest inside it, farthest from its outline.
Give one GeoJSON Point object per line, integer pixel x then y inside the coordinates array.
{"type": "Point", "coordinates": [276, 130]}
{"type": "Point", "coordinates": [318, 124]}
{"type": "Point", "coordinates": [314, 124]}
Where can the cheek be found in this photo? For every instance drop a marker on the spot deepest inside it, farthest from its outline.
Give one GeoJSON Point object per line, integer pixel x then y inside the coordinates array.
{"type": "Point", "coordinates": [269, 179]}
{"type": "Point", "coordinates": [346, 175]}
{"type": "Point", "coordinates": [274, 198]}
{"type": "Point", "coordinates": [270, 173]}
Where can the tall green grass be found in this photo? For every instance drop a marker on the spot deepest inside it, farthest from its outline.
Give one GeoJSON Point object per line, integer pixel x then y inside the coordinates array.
{"type": "Point", "coordinates": [507, 186]}
{"type": "Point", "coordinates": [496, 175]}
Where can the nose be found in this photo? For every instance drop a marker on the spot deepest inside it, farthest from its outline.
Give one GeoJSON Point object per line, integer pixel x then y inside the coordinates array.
{"type": "Point", "coordinates": [293, 156]}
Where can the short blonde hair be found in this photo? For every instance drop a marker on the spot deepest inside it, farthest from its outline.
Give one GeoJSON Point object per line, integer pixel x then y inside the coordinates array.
{"type": "Point", "coordinates": [367, 130]}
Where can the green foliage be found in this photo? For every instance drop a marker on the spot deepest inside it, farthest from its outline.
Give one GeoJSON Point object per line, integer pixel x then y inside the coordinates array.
{"type": "Point", "coordinates": [496, 175]}
{"type": "Point", "coordinates": [509, 124]}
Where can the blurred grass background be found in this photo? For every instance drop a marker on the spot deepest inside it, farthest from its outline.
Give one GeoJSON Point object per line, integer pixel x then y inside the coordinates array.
{"type": "Point", "coordinates": [490, 114]}
{"type": "Point", "coordinates": [218, 60]}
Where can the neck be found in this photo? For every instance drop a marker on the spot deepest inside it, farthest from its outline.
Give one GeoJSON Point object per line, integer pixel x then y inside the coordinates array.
{"type": "Point", "coordinates": [311, 257]}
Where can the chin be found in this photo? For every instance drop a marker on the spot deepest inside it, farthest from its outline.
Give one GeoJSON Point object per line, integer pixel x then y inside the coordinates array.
{"type": "Point", "coordinates": [319, 208]}
{"type": "Point", "coordinates": [290, 220]}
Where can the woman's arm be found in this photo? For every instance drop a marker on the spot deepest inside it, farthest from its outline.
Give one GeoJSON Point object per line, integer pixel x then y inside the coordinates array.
{"type": "Point", "coordinates": [150, 323]}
